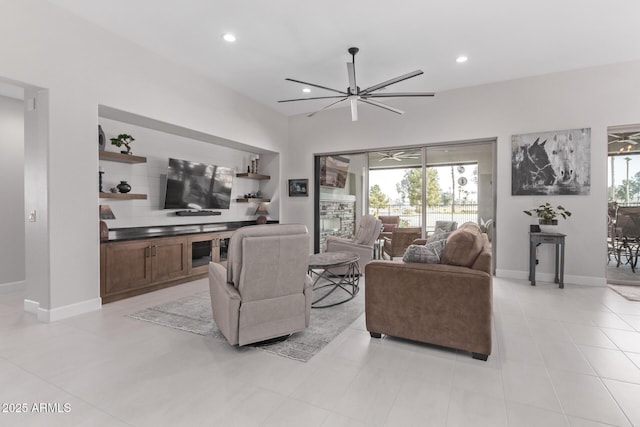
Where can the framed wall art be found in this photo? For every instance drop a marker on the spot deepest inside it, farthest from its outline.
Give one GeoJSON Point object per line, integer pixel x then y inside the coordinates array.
{"type": "Point", "coordinates": [551, 163]}
{"type": "Point", "coordinates": [298, 188]}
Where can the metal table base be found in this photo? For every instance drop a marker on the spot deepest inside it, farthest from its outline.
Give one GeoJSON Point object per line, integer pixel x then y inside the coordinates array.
{"type": "Point", "coordinates": [325, 278]}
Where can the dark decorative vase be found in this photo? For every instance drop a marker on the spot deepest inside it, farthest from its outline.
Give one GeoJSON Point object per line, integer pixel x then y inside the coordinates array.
{"type": "Point", "coordinates": [124, 187]}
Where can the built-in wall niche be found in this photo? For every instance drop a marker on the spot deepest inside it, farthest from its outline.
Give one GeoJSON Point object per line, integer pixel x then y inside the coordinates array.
{"type": "Point", "coordinates": [149, 178]}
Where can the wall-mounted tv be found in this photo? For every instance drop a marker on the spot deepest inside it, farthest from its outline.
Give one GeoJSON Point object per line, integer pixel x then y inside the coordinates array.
{"type": "Point", "coordinates": [192, 185]}
{"type": "Point", "coordinates": [334, 171]}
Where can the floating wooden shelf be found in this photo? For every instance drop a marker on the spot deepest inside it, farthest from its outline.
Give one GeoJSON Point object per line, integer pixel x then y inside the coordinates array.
{"type": "Point", "coordinates": [252, 200]}
{"type": "Point", "coordinates": [123, 196]}
{"type": "Point", "coordinates": [252, 175]}
{"type": "Point", "coordinates": [119, 157]}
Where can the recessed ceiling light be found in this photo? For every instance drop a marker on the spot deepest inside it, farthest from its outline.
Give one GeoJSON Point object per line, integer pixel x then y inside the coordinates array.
{"type": "Point", "coordinates": [460, 59]}
{"type": "Point", "coordinates": [306, 90]}
{"type": "Point", "coordinates": [229, 37]}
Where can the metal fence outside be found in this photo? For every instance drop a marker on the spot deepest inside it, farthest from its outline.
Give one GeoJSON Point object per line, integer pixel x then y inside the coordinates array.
{"type": "Point", "coordinates": [411, 216]}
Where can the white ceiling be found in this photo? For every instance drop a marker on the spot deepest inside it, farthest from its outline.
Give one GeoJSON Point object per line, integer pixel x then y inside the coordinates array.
{"type": "Point", "coordinates": [504, 39]}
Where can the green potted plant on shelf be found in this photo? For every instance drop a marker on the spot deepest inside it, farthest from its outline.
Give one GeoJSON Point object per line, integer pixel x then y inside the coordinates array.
{"type": "Point", "coordinates": [547, 214]}
{"type": "Point", "coordinates": [123, 139]}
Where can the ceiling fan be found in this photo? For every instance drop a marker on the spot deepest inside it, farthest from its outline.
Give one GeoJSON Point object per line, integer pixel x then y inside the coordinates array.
{"type": "Point", "coordinates": [398, 156]}
{"type": "Point", "coordinates": [625, 138]}
{"type": "Point", "coordinates": [353, 94]}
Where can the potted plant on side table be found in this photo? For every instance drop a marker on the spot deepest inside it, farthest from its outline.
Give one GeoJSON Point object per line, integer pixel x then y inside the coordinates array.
{"type": "Point", "coordinates": [547, 216]}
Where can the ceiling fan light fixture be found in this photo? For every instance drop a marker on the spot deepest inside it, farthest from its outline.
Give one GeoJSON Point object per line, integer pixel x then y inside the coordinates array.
{"type": "Point", "coordinates": [461, 59]}
{"type": "Point", "coordinates": [228, 37]}
{"type": "Point", "coordinates": [354, 109]}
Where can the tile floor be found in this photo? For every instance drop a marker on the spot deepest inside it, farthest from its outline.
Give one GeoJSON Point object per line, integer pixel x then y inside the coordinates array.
{"type": "Point", "coordinates": [560, 358]}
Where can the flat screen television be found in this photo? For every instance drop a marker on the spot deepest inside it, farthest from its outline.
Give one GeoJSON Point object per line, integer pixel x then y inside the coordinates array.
{"type": "Point", "coordinates": [334, 171]}
{"type": "Point", "coordinates": [192, 185]}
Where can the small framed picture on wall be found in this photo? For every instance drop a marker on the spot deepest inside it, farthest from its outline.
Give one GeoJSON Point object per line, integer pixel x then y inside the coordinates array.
{"type": "Point", "coordinates": [298, 188]}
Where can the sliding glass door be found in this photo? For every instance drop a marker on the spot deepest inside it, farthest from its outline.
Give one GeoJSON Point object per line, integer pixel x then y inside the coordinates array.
{"type": "Point", "coordinates": [436, 186]}
{"type": "Point", "coordinates": [462, 175]}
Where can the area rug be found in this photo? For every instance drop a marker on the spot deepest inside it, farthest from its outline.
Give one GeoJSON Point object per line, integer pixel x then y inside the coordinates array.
{"type": "Point", "coordinates": [193, 314]}
{"type": "Point", "coordinates": [632, 293]}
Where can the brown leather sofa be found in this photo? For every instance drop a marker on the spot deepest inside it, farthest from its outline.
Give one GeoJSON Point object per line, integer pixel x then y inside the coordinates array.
{"type": "Point", "coordinates": [447, 304]}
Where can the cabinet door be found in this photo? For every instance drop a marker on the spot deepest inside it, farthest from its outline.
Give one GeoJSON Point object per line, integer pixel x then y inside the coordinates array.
{"type": "Point", "coordinates": [169, 258]}
{"type": "Point", "coordinates": [127, 266]}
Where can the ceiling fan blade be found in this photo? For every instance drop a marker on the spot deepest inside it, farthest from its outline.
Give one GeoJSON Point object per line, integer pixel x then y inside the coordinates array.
{"type": "Point", "coordinates": [318, 86]}
{"type": "Point", "coordinates": [351, 71]}
{"type": "Point", "coordinates": [381, 105]}
{"type": "Point", "coordinates": [397, 94]}
{"type": "Point", "coordinates": [306, 99]}
{"type": "Point", "coordinates": [392, 81]}
{"type": "Point", "coordinates": [354, 109]}
{"type": "Point", "coordinates": [325, 107]}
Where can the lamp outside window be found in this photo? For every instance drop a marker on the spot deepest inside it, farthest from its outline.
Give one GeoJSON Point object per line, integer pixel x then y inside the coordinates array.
{"type": "Point", "coordinates": [262, 213]}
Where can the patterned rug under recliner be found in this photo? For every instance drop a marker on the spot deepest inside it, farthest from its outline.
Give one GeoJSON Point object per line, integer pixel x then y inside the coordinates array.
{"type": "Point", "coordinates": [193, 314]}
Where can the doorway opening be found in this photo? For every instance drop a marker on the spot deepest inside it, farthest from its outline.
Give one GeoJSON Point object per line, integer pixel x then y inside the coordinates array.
{"type": "Point", "coordinates": [623, 204]}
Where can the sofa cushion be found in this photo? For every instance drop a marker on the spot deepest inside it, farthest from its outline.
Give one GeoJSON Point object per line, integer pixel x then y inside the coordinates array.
{"type": "Point", "coordinates": [429, 253]}
{"type": "Point", "coordinates": [463, 245]}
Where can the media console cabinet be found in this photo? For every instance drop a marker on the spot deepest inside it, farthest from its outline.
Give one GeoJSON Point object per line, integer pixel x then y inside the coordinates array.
{"type": "Point", "coordinates": [143, 259]}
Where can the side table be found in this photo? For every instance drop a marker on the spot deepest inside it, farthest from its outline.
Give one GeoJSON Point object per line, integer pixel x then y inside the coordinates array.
{"type": "Point", "coordinates": [535, 240]}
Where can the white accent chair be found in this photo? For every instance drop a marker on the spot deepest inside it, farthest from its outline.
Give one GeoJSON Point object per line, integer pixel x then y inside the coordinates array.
{"type": "Point", "coordinates": [362, 244]}
{"type": "Point", "coordinates": [265, 291]}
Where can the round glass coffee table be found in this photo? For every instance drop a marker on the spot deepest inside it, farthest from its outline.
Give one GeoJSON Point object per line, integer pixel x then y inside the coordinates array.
{"type": "Point", "coordinates": [327, 280]}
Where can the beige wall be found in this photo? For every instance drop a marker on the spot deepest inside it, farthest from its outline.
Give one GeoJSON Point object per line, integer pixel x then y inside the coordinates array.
{"type": "Point", "coordinates": [593, 98]}
{"type": "Point", "coordinates": [81, 67]}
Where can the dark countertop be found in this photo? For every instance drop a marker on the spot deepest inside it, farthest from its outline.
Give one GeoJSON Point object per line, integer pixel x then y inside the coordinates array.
{"type": "Point", "coordinates": [139, 233]}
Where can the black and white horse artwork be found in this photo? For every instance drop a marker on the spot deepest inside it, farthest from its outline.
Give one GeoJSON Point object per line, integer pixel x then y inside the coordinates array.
{"type": "Point", "coordinates": [550, 163]}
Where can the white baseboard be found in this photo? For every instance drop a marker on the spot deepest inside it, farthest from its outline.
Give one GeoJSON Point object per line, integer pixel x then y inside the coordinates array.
{"type": "Point", "coordinates": [31, 306]}
{"type": "Point", "coordinates": [512, 274]}
{"type": "Point", "coordinates": [548, 277]}
{"type": "Point", "coordinates": [12, 286]}
{"type": "Point", "coordinates": [64, 312]}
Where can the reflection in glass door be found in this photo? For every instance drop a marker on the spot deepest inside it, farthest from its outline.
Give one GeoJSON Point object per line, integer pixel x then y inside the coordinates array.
{"type": "Point", "coordinates": [395, 185]}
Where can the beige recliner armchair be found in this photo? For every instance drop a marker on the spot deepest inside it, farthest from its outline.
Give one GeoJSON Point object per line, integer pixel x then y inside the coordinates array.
{"type": "Point", "coordinates": [265, 291]}
{"type": "Point", "coordinates": [361, 244]}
